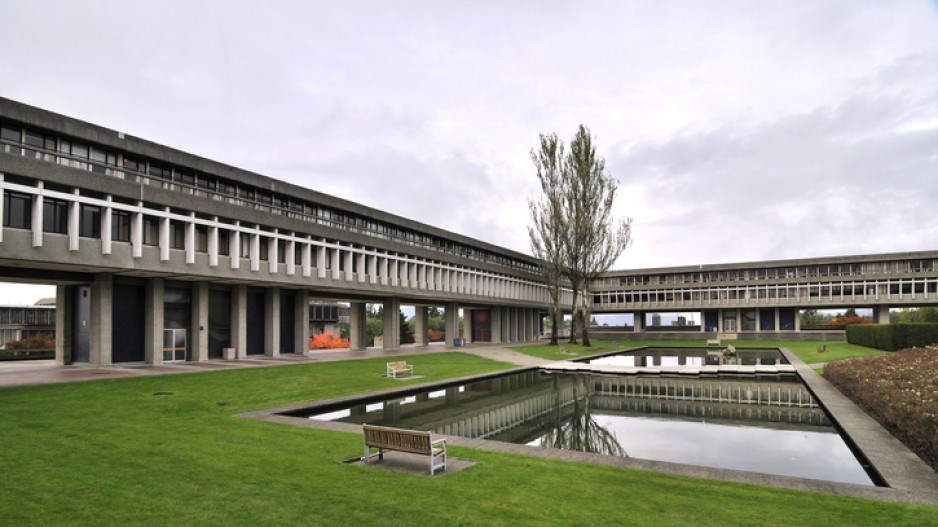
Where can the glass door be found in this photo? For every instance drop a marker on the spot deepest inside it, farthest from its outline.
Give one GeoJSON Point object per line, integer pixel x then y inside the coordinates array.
{"type": "Point", "coordinates": [174, 345]}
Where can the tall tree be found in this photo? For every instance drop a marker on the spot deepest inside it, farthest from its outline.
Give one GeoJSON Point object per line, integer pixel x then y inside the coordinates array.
{"type": "Point", "coordinates": [548, 218]}
{"type": "Point", "coordinates": [594, 238]}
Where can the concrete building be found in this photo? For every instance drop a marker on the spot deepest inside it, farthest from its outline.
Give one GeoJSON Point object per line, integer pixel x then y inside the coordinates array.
{"type": "Point", "coordinates": [160, 255]}
{"type": "Point", "coordinates": [763, 299]}
{"type": "Point", "coordinates": [20, 322]}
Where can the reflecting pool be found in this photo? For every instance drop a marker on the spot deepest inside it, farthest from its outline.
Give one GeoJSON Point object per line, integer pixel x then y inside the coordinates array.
{"type": "Point", "coordinates": [759, 423]}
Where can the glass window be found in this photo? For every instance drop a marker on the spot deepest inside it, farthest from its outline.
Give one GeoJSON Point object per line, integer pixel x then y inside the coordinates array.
{"type": "Point", "coordinates": [90, 225]}
{"type": "Point", "coordinates": [224, 243]}
{"type": "Point", "coordinates": [17, 210]}
{"type": "Point", "coordinates": [177, 235]}
{"type": "Point", "coordinates": [120, 226]}
{"type": "Point", "coordinates": [151, 230]}
{"type": "Point", "coordinates": [133, 164]}
{"type": "Point", "coordinates": [34, 139]}
{"type": "Point", "coordinates": [160, 171]}
{"type": "Point", "coordinates": [65, 147]}
{"type": "Point", "coordinates": [201, 238]}
{"type": "Point", "coordinates": [79, 150]}
{"type": "Point", "coordinates": [10, 134]}
{"type": "Point", "coordinates": [54, 216]}
{"type": "Point", "coordinates": [206, 183]}
{"type": "Point", "coordinates": [185, 178]}
{"type": "Point", "coordinates": [98, 155]}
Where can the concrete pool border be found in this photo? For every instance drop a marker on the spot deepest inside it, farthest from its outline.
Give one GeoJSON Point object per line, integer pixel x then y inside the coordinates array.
{"type": "Point", "coordinates": [910, 480]}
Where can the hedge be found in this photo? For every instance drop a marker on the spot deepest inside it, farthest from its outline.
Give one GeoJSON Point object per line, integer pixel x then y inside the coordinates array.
{"type": "Point", "coordinates": [892, 337]}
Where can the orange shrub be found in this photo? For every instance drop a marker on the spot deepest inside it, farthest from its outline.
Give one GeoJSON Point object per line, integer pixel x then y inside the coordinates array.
{"type": "Point", "coordinates": [435, 336]}
{"type": "Point", "coordinates": [326, 340]}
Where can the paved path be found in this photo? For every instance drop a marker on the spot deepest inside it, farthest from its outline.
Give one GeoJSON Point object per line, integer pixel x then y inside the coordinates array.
{"type": "Point", "coordinates": [23, 373]}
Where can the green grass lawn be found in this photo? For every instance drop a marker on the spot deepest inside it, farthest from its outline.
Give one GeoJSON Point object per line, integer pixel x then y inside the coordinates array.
{"type": "Point", "coordinates": [111, 452]}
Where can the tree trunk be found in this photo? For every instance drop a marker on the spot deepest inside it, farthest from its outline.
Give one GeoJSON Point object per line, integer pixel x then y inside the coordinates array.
{"type": "Point", "coordinates": [553, 328]}
{"type": "Point", "coordinates": [575, 312]}
{"type": "Point", "coordinates": [586, 327]}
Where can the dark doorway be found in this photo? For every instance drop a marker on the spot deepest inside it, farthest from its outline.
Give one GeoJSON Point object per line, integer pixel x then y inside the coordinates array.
{"type": "Point", "coordinates": [287, 322]}
{"type": "Point", "coordinates": [177, 315]}
{"type": "Point", "coordinates": [81, 348]}
{"type": "Point", "coordinates": [219, 322]}
{"type": "Point", "coordinates": [127, 330]}
{"type": "Point", "coordinates": [767, 319]}
{"type": "Point", "coordinates": [255, 321]}
{"type": "Point", "coordinates": [786, 318]}
{"type": "Point", "coordinates": [481, 325]}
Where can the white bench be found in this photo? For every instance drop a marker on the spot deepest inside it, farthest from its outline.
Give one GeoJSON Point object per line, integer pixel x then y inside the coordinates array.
{"type": "Point", "coordinates": [399, 367]}
{"type": "Point", "coordinates": [412, 441]}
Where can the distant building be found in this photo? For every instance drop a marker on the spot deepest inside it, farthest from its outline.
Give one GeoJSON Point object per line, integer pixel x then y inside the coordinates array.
{"type": "Point", "coordinates": [325, 317]}
{"type": "Point", "coordinates": [20, 322]}
{"type": "Point", "coordinates": [656, 320]}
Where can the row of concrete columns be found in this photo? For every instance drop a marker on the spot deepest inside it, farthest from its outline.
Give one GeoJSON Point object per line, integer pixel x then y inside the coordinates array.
{"type": "Point", "coordinates": [880, 316]}
{"type": "Point", "coordinates": [326, 259]}
{"type": "Point", "coordinates": [507, 324]}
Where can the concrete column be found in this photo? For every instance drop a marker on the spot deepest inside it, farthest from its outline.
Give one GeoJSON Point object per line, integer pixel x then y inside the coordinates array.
{"type": "Point", "coordinates": [362, 264]}
{"type": "Point", "coordinates": [213, 244]}
{"type": "Point", "coordinates": [164, 237]}
{"type": "Point", "coordinates": [506, 324]}
{"type": "Point", "coordinates": [384, 270]}
{"type": "Point", "coordinates": [798, 318]}
{"type": "Point", "coordinates": [106, 221]}
{"type": "Point", "coordinates": [102, 319]}
{"type": "Point", "coordinates": [136, 232]}
{"type": "Point", "coordinates": [513, 325]}
{"type": "Point", "coordinates": [190, 239]}
{"type": "Point", "coordinates": [272, 322]}
{"type": "Point", "coordinates": [335, 263]}
{"type": "Point", "coordinates": [496, 324]}
{"type": "Point", "coordinates": [273, 254]}
{"type": "Point", "coordinates": [290, 257]}
{"type": "Point", "coordinates": [73, 216]}
{"type": "Point", "coordinates": [357, 326]}
{"type": "Point", "coordinates": [239, 320]}
{"type": "Point", "coordinates": [778, 319]}
{"type": "Point", "coordinates": [758, 320]}
{"type": "Point", "coordinates": [234, 249]}
{"type": "Point", "coordinates": [349, 265]}
{"type": "Point", "coordinates": [467, 324]}
{"type": "Point", "coordinates": [421, 320]}
{"type": "Point", "coordinates": [321, 261]}
{"type": "Point", "coordinates": [64, 302]}
{"type": "Point", "coordinates": [392, 323]}
{"type": "Point", "coordinates": [37, 217]}
{"type": "Point", "coordinates": [638, 324]}
{"type": "Point", "coordinates": [880, 314]}
{"type": "Point", "coordinates": [451, 322]}
{"type": "Point", "coordinates": [373, 269]}
{"type": "Point", "coordinates": [301, 323]}
{"type": "Point", "coordinates": [153, 321]}
{"type": "Point", "coordinates": [199, 321]}
{"type": "Point", "coordinates": [393, 274]}
{"type": "Point", "coordinates": [255, 252]}
{"type": "Point", "coordinates": [404, 268]}
{"type": "Point", "coordinates": [306, 257]}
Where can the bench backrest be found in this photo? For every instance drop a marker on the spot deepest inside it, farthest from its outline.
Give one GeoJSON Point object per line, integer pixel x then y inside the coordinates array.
{"type": "Point", "coordinates": [415, 441]}
{"type": "Point", "coordinates": [400, 365]}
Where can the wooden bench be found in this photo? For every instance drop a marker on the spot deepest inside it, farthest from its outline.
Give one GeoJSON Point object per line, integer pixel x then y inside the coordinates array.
{"type": "Point", "coordinates": [412, 441]}
{"type": "Point", "coordinates": [394, 368]}
{"type": "Point", "coordinates": [713, 342]}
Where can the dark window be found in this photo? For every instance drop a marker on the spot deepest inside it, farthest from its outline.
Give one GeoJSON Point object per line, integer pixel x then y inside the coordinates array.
{"type": "Point", "coordinates": [201, 238]}
{"type": "Point", "coordinates": [177, 235]}
{"type": "Point", "coordinates": [98, 155]}
{"type": "Point", "coordinates": [206, 183]}
{"type": "Point", "coordinates": [133, 164]}
{"type": "Point", "coordinates": [120, 226]}
{"type": "Point", "coordinates": [10, 134]}
{"type": "Point", "coordinates": [65, 147]}
{"type": "Point", "coordinates": [246, 193]}
{"type": "Point", "coordinates": [185, 178]}
{"type": "Point", "coordinates": [224, 242]}
{"type": "Point", "coordinates": [151, 230]}
{"type": "Point", "coordinates": [90, 226]}
{"type": "Point", "coordinates": [226, 188]}
{"type": "Point", "coordinates": [17, 210]}
{"type": "Point", "coordinates": [79, 150]}
{"type": "Point", "coordinates": [54, 216]}
{"type": "Point", "coordinates": [34, 139]}
{"type": "Point", "coordinates": [160, 171]}
{"type": "Point", "coordinates": [263, 249]}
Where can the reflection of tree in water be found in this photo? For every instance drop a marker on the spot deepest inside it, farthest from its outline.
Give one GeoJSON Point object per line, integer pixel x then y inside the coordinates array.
{"type": "Point", "coordinates": [570, 425]}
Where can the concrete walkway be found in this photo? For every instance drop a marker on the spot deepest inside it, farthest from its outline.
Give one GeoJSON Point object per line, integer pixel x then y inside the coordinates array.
{"type": "Point", "coordinates": [31, 372]}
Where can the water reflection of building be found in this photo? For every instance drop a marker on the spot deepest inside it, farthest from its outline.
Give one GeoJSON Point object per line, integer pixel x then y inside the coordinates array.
{"type": "Point", "coordinates": [523, 407]}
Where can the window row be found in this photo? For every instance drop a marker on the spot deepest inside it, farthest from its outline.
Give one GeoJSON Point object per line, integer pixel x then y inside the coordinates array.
{"type": "Point", "coordinates": [86, 156]}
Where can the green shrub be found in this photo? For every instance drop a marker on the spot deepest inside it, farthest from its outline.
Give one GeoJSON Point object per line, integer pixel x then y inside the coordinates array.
{"type": "Point", "coordinates": [892, 337]}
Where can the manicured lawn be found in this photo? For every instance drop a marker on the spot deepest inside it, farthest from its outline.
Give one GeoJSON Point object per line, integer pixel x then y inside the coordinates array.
{"type": "Point", "coordinates": [111, 452]}
{"type": "Point", "coordinates": [808, 351]}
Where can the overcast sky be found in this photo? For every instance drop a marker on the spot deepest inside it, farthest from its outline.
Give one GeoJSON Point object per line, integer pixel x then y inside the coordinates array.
{"type": "Point", "coordinates": [738, 130]}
